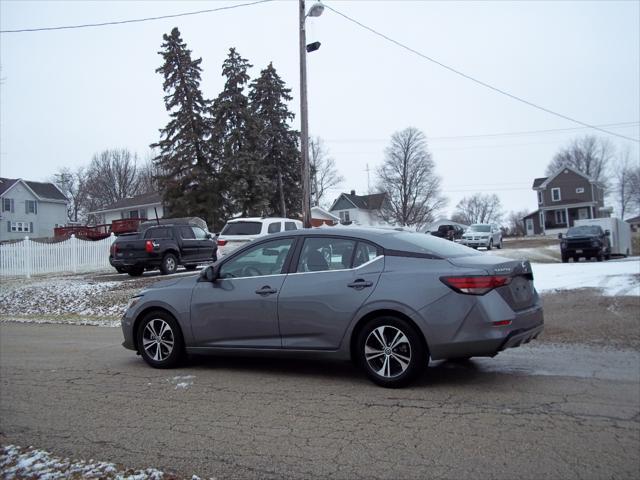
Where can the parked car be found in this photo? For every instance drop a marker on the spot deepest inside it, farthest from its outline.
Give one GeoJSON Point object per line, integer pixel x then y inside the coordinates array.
{"type": "Point", "coordinates": [586, 241]}
{"type": "Point", "coordinates": [619, 233]}
{"type": "Point", "coordinates": [164, 247]}
{"type": "Point", "coordinates": [449, 232]}
{"type": "Point", "coordinates": [240, 231]}
{"type": "Point", "coordinates": [389, 300]}
{"type": "Point", "coordinates": [486, 235]}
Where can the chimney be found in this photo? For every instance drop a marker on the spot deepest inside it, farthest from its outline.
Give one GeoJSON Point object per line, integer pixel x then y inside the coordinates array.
{"type": "Point", "coordinates": [353, 192]}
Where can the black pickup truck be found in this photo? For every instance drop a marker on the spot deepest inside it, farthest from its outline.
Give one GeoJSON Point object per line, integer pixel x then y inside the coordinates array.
{"type": "Point", "coordinates": [585, 241]}
{"type": "Point", "coordinates": [449, 232]}
{"type": "Point", "coordinates": [164, 247]}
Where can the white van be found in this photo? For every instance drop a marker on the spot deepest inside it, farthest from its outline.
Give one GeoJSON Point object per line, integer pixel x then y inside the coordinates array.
{"type": "Point", "coordinates": [240, 231]}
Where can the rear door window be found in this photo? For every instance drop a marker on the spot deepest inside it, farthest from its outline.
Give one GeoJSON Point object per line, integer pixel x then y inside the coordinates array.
{"type": "Point", "coordinates": [325, 254]}
{"type": "Point", "coordinates": [199, 233]}
{"type": "Point", "coordinates": [186, 233]}
{"type": "Point", "coordinates": [274, 227]}
{"type": "Point", "coordinates": [365, 252]}
{"type": "Point", "coordinates": [290, 226]}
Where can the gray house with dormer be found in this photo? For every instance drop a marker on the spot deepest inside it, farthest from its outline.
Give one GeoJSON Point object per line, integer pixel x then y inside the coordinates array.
{"type": "Point", "coordinates": [30, 209]}
{"type": "Point", "coordinates": [564, 197]}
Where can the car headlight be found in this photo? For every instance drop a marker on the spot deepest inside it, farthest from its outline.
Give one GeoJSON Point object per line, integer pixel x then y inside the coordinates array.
{"type": "Point", "coordinates": [133, 301]}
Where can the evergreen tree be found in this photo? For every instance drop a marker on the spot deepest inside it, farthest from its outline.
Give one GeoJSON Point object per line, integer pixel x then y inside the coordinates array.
{"type": "Point", "coordinates": [234, 141]}
{"type": "Point", "coordinates": [184, 159]}
{"type": "Point", "coordinates": [277, 144]}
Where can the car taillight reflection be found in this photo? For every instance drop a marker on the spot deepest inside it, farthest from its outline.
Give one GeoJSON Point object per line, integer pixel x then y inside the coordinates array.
{"type": "Point", "coordinates": [476, 285]}
{"type": "Point", "coordinates": [222, 243]}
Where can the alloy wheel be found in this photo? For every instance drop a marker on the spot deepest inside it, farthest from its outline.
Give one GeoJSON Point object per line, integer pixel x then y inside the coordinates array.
{"type": "Point", "coordinates": [158, 339]}
{"type": "Point", "coordinates": [387, 351]}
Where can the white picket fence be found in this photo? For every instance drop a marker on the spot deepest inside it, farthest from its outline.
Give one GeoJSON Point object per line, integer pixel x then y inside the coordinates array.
{"type": "Point", "coordinates": [26, 258]}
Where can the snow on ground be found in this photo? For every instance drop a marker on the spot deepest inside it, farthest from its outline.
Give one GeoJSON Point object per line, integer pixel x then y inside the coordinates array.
{"type": "Point", "coordinates": [613, 278]}
{"type": "Point", "coordinates": [19, 463]}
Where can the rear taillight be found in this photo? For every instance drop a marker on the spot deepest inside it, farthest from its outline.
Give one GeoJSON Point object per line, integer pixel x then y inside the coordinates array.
{"type": "Point", "coordinates": [148, 246]}
{"type": "Point", "coordinates": [222, 243]}
{"type": "Point", "coordinates": [476, 285]}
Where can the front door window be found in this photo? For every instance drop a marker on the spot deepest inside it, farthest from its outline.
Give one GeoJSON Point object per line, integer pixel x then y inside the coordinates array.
{"type": "Point", "coordinates": [264, 259]}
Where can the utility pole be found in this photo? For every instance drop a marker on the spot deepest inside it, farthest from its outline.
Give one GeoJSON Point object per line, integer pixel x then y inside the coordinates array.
{"type": "Point", "coordinates": [304, 121]}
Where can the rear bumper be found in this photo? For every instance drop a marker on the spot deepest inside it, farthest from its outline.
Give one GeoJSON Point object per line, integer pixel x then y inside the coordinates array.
{"type": "Point", "coordinates": [518, 337]}
{"type": "Point", "coordinates": [133, 262]}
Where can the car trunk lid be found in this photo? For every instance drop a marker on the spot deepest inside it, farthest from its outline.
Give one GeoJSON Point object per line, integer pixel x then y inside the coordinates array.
{"type": "Point", "coordinates": [520, 292]}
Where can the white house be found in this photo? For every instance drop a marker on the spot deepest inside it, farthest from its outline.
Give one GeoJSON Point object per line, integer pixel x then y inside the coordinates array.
{"type": "Point", "coordinates": [141, 206]}
{"type": "Point", "coordinates": [362, 210]}
{"type": "Point", "coordinates": [30, 209]}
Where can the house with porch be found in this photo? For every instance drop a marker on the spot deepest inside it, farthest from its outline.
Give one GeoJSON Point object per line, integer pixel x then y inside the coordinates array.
{"type": "Point", "coordinates": [143, 207]}
{"type": "Point", "coordinates": [564, 197]}
{"type": "Point", "coordinates": [362, 210]}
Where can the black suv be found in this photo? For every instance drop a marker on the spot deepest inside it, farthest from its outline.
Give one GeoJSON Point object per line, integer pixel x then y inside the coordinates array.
{"type": "Point", "coordinates": [586, 241]}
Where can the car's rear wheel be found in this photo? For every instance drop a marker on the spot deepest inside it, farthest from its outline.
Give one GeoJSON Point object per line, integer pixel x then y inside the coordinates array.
{"type": "Point", "coordinates": [499, 246]}
{"type": "Point", "coordinates": [169, 264]}
{"type": "Point", "coordinates": [160, 341]}
{"type": "Point", "coordinates": [391, 352]}
{"type": "Point", "coordinates": [121, 269]}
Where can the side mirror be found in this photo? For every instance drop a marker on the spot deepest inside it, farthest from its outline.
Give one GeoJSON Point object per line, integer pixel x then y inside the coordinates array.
{"type": "Point", "coordinates": [210, 274]}
{"type": "Point", "coordinates": [560, 236]}
{"type": "Point", "coordinates": [607, 233]}
{"type": "Point", "coordinates": [209, 236]}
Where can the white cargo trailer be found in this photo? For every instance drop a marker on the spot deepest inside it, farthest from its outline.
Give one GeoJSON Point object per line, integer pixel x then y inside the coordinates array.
{"type": "Point", "coordinates": [620, 233]}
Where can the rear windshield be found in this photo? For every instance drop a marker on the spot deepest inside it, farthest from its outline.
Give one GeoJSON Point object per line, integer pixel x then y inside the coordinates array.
{"type": "Point", "coordinates": [419, 243]}
{"type": "Point", "coordinates": [242, 228]}
{"type": "Point", "coordinates": [480, 228]}
{"type": "Point", "coordinates": [585, 230]}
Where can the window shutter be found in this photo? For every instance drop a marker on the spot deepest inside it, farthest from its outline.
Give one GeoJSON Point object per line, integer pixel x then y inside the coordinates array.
{"type": "Point", "coordinates": [8, 226]}
{"type": "Point", "coordinates": [35, 207]}
{"type": "Point", "coordinates": [30, 227]}
{"type": "Point", "coordinates": [11, 202]}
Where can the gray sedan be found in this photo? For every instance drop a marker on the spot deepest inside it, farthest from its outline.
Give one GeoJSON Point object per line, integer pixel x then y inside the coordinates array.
{"type": "Point", "coordinates": [388, 300]}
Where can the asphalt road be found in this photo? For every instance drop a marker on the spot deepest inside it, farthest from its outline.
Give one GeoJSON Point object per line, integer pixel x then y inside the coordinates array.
{"type": "Point", "coordinates": [540, 412]}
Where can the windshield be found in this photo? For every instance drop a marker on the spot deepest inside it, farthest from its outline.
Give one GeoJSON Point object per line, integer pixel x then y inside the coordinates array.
{"type": "Point", "coordinates": [242, 228]}
{"type": "Point", "coordinates": [480, 228]}
{"type": "Point", "coordinates": [584, 230]}
{"type": "Point", "coordinates": [434, 246]}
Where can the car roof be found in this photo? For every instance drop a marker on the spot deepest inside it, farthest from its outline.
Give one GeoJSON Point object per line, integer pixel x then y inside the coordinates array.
{"type": "Point", "coordinates": [385, 237]}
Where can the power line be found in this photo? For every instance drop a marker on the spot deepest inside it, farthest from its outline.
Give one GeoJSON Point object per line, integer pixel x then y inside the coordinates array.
{"type": "Point", "coordinates": [136, 20]}
{"type": "Point", "coordinates": [475, 80]}
{"type": "Point", "coordinates": [487, 135]}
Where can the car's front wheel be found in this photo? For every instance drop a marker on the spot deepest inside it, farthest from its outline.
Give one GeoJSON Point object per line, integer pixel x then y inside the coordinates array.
{"type": "Point", "coordinates": [160, 340]}
{"type": "Point", "coordinates": [490, 246]}
{"type": "Point", "coordinates": [391, 352]}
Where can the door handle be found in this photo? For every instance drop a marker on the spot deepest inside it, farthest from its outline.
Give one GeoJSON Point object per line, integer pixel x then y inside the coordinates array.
{"type": "Point", "coordinates": [266, 290]}
{"type": "Point", "coordinates": [359, 284]}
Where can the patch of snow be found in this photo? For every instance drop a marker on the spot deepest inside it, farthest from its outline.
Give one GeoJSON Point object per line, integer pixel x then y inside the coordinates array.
{"type": "Point", "coordinates": [182, 382]}
{"type": "Point", "coordinates": [17, 462]}
{"type": "Point", "coordinates": [614, 278]}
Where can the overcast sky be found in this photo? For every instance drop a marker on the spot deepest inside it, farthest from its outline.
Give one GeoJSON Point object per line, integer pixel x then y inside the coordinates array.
{"type": "Point", "coordinates": [68, 94]}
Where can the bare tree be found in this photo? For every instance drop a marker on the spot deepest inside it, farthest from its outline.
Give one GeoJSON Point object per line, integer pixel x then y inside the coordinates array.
{"type": "Point", "coordinates": [515, 223]}
{"type": "Point", "coordinates": [408, 177]}
{"type": "Point", "coordinates": [623, 176]}
{"type": "Point", "coordinates": [74, 185]}
{"type": "Point", "coordinates": [148, 174]}
{"type": "Point", "coordinates": [478, 208]}
{"type": "Point", "coordinates": [324, 175]}
{"type": "Point", "coordinates": [590, 155]}
{"type": "Point", "coordinates": [112, 176]}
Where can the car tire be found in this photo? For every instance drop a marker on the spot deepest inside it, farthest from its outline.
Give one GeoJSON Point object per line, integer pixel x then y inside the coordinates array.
{"type": "Point", "coordinates": [499, 246]}
{"type": "Point", "coordinates": [169, 264]}
{"type": "Point", "coordinates": [490, 246]}
{"type": "Point", "coordinates": [386, 364]}
{"type": "Point", "coordinates": [600, 257]}
{"type": "Point", "coordinates": [160, 341]}
{"type": "Point", "coordinates": [121, 269]}
{"type": "Point", "coordinates": [135, 271]}
{"type": "Point", "coordinates": [576, 259]}
{"type": "Point", "coordinates": [565, 258]}
{"type": "Point", "coordinates": [190, 267]}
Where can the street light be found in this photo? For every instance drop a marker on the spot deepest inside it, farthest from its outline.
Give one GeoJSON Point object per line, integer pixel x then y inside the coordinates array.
{"type": "Point", "coordinates": [315, 11]}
